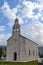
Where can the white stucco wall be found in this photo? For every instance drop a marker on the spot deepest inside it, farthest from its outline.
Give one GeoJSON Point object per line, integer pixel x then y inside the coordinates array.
{"type": "Point", "coordinates": [21, 46]}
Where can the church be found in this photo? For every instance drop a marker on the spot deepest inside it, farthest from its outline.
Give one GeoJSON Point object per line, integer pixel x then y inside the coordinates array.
{"type": "Point", "coordinates": [20, 48]}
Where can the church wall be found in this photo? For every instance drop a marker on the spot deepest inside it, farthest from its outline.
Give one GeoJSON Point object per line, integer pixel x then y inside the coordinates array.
{"type": "Point", "coordinates": [22, 49]}
{"type": "Point", "coordinates": [13, 46]}
{"type": "Point", "coordinates": [9, 50]}
{"type": "Point", "coordinates": [32, 47]}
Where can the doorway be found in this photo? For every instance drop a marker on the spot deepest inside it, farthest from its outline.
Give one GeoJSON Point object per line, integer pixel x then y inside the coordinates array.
{"type": "Point", "coordinates": [15, 56]}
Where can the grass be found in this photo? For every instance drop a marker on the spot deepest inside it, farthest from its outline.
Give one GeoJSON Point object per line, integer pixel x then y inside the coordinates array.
{"type": "Point", "coordinates": [19, 63]}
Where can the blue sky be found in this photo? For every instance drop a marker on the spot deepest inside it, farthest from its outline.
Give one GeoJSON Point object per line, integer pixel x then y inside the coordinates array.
{"type": "Point", "coordinates": [30, 15]}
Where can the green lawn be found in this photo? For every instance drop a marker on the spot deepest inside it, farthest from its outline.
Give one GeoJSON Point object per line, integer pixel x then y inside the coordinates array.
{"type": "Point", "coordinates": [19, 63]}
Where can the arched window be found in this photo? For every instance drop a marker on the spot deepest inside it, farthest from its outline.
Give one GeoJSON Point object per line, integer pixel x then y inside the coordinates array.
{"type": "Point", "coordinates": [33, 52]}
{"type": "Point", "coordinates": [29, 51]}
{"type": "Point", "coordinates": [15, 56]}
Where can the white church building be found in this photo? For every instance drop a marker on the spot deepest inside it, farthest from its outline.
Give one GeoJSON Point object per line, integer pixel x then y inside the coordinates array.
{"type": "Point", "coordinates": [19, 48]}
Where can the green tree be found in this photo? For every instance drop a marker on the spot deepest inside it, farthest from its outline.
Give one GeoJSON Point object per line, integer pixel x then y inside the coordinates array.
{"type": "Point", "coordinates": [1, 52]}
{"type": "Point", "coordinates": [40, 55]}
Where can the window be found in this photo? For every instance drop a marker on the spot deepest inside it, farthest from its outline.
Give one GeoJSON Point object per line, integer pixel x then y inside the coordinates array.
{"type": "Point", "coordinates": [29, 51]}
{"type": "Point", "coordinates": [15, 39]}
{"type": "Point", "coordinates": [16, 22]}
{"type": "Point", "coordinates": [33, 52]}
{"type": "Point", "coordinates": [36, 53]}
{"type": "Point", "coordinates": [17, 29]}
{"type": "Point", "coordinates": [15, 56]}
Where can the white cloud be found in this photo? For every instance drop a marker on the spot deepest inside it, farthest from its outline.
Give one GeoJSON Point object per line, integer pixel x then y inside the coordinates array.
{"type": "Point", "coordinates": [42, 18]}
{"type": "Point", "coordinates": [35, 29]}
{"type": "Point", "coordinates": [1, 36]}
{"type": "Point", "coordinates": [26, 10]}
{"type": "Point", "coordinates": [9, 13]}
{"type": "Point", "coordinates": [30, 7]}
{"type": "Point", "coordinates": [2, 28]}
{"type": "Point", "coordinates": [40, 1]}
{"type": "Point", "coordinates": [3, 42]}
{"type": "Point", "coordinates": [20, 20]}
{"type": "Point", "coordinates": [4, 38]}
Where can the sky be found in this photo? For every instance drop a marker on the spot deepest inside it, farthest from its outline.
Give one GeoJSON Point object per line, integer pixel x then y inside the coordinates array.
{"type": "Point", "coordinates": [30, 15]}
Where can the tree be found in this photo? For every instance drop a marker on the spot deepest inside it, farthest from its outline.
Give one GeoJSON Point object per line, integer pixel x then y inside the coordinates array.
{"type": "Point", "coordinates": [1, 52]}
{"type": "Point", "coordinates": [40, 55]}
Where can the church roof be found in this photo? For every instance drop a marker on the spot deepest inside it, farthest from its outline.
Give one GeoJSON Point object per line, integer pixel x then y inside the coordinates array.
{"type": "Point", "coordinates": [28, 39]}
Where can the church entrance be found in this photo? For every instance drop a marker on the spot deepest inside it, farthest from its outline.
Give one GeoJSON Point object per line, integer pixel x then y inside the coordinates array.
{"type": "Point", "coordinates": [15, 56]}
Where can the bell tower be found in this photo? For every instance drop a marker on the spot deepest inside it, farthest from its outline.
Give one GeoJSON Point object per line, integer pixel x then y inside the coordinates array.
{"type": "Point", "coordinates": [16, 27]}
{"type": "Point", "coordinates": [16, 38]}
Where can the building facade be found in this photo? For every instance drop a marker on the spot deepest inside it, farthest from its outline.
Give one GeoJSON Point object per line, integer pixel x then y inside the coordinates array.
{"type": "Point", "coordinates": [19, 48]}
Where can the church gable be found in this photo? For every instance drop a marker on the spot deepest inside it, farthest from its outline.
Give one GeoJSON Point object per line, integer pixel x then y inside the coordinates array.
{"type": "Point", "coordinates": [9, 38]}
